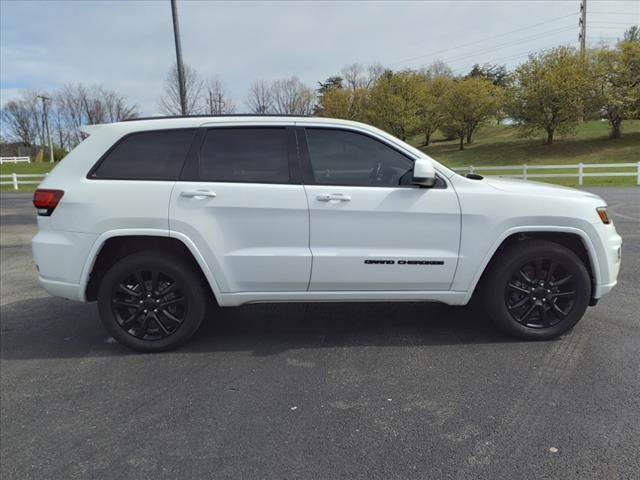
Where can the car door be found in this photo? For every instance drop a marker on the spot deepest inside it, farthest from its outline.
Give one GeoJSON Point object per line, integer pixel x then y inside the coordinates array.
{"type": "Point", "coordinates": [241, 202]}
{"type": "Point", "coordinates": [371, 229]}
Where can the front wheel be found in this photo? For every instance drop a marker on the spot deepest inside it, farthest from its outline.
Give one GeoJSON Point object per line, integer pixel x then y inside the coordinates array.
{"type": "Point", "coordinates": [151, 301]}
{"type": "Point", "coordinates": [537, 290]}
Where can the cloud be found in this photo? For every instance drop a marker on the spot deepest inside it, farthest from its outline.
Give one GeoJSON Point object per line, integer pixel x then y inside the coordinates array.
{"type": "Point", "coordinates": [128, 46]}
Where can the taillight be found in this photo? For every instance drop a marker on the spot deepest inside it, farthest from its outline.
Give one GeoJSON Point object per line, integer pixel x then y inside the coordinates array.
{"type": "Point", "coordinates": [46, 201]}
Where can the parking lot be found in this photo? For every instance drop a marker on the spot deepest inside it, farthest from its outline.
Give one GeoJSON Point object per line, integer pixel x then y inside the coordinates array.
{"type": "Point", "coordinates": [318, 391]}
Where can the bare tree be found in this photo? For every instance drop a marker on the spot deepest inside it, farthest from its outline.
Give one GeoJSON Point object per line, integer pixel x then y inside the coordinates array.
{"type": "Point", "coordinates": [292, 97]}
{"type": "Point", "coordinates": [115, 106]}
{"type": "Point", "coordinates": [217, 100]}
{"type": "Point", "coordinates": [78, 105]}
{"type": "Point", "coordinates": [437, 69]}
{"type": "Point", "coordinates": [260, 98]}
{"type": "Point", "coordinates": [358, 77]}
{"type": "Point", "coordinates": [353, 76]}
{"type": "Point", "coordinates": [60, 132]}
{"type": "Point", "coordinates": [170, 99]}
{"type": "Point", "coordinates": [22, 120]}
{"type": "Point", "coordinates": [70, 103]}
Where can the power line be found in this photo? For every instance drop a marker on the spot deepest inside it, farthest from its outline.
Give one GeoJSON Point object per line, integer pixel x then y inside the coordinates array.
{"type": "Point", "coordinates": [616, 13]}
{"type": "Point", "coordinates": [610, 23]}
{"type": "Point", "coordinates": [510, 44]}
{"type": "Point", "coordinates": [480, 41]}
{"type": "Point", "coordinates": [599, 27]}
{"type": "Point", "coordinates": [505, 58]}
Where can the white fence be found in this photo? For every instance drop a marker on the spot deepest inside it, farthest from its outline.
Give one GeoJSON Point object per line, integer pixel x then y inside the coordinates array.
{"type": "Point", "coordinates": [14, 160]}
{"type": "Point", "coordinates": [524, 171]}
{"type": "Point", "coordinates": [17, 179]}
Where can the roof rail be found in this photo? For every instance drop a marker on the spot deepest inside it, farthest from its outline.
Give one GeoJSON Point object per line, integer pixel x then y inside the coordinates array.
{"type": "Point", "coordinates": [215, 116]}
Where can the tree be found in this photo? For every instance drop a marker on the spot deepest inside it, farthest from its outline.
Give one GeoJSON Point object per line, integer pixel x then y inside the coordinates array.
{"type": "Point", "coordinates": [358, 77]}
{"type": "Point", "coordinates": [115, 106]}
{"type": "Point", "coordinates": [217, 100]}
{"type": "Point", "coordinates": [337, 101]}
{"type": "Point", "coordinates": [430, 112]}
{"type": "Point", "coordinates": [467, 104]}
{"type": "Point", "coordinates": [615, 77]}
{"type": "Point", "coordinates": [335, 81]}
{"type": "Point", "coordinates": [395, 101]}
{"type": "Point", "coordinates": [77, 105]}
{"type": "Point", "coordinates": [170, 99]}
{"type": "Point", "coordinates": [496, 74]}
{"type": "Point", "coordinates": [345, 103]}
{"type": "Point", "coordinates": [292, 97]}
{"type": "Point", "coordinates": [21, 120]}
{"type": "Point", "coordinates": [548, 92]}
{"type": "Point", "coordinates": [437, 69]}
{"type": "Point", "coordinates": [632, 34]}
{"type": "Point", "coordinates": [260, 99]}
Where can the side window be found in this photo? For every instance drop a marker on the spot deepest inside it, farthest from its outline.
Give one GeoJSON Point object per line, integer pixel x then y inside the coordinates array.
{"type": "Point", "coordinates": [341, 157]}
{"type": "Point", "coordinates": [156, 155]}
{"type": "Point", "coordinates": [248, 155]}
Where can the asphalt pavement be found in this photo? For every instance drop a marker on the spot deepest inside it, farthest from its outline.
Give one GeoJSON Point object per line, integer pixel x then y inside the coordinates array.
{"type": "Point", "coordinates": [318, 391]}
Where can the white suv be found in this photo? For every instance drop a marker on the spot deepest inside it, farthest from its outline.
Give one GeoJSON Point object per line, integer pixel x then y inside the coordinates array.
{"type": "Point", "coordinates": [154, 217]}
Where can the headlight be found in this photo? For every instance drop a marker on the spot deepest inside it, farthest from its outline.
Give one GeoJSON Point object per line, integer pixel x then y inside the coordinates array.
{"type": "Point", "coordinates": [602, 213]}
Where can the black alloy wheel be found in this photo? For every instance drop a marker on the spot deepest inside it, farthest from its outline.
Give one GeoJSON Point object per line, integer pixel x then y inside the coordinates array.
{"type": "Point", "coordinates": [540, 293]}
{"type": "Point", "coordinates": [149, 304]}
{"type": "Point", "coordinates": [536, 289]}
{"type": "Point", "coordinates": [152, 301]}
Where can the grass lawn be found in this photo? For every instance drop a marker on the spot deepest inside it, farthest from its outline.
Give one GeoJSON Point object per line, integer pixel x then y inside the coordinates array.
{"type": "Point", "coordinates": [23, 168]}
{"type": "Point", "coordinates": [502, 145]}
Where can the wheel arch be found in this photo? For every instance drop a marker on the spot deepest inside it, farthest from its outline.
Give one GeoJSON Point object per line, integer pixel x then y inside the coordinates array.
{"type": "Point", "coordinates": [114, 245]}
{"type": "Point", "coordinates": [574, 239]}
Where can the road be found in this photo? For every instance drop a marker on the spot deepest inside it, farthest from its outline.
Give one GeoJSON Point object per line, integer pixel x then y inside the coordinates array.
{"type": "Point", "coordinates": [318, 391]}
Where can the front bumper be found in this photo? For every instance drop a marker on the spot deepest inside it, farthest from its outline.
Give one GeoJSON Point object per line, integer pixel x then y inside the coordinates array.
{"type": "Point", "coordinates": [609, 258]}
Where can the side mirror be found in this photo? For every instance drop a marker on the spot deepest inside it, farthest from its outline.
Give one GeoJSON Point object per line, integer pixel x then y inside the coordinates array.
{"type": "Point", "coordinates": [423, 173]}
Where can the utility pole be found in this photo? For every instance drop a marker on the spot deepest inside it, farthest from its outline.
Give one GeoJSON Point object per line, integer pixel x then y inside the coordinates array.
{"type": "Point", "coordinates": [180, 66]}
{"type": "Point", "coordinates": [582, 36]}
{"type": "Point", "coordinates": [45, 122]}
{"type": "Point", "coordinates": [583, 27]}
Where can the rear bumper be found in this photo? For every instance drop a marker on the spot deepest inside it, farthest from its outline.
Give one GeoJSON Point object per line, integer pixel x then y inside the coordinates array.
{"type": "Point", "coordinates": [71, 291]}
{"type": "Point", "coordinates": [60, 258]}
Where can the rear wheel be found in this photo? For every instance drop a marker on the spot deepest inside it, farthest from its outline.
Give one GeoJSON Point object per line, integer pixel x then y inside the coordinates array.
{"type": "Point", "coordinates": [537, 290]}
{"type": "Point", "coordinates": [151, 301]}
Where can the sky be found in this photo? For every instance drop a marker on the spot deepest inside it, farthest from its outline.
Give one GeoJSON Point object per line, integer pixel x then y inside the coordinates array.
{"type": "Point", "coordinates": [128, 46]}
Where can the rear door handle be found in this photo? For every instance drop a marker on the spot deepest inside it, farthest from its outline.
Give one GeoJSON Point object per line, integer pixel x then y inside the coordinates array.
{"type": "Point", "coordinates": [327, 197]}
{"type": "Point", "coordinates": [197, 193]}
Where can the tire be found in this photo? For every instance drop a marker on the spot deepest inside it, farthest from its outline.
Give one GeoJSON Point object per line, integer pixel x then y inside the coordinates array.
{"type": "Point", "coordinates": [152, 301]}
{"type": "Point", "coordinates": [526, 300]}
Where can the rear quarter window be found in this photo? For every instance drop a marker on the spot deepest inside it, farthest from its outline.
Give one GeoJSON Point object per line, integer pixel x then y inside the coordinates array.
{"type": "Point", "coordinates": [155, 155]}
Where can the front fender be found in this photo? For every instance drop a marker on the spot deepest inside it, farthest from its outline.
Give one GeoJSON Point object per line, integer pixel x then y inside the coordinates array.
{"type": "Point", "coordinates": [470, 283]}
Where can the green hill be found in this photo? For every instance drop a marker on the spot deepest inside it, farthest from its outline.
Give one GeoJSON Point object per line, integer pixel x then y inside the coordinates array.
{"type": "Point", "coordinates": [502, 145]}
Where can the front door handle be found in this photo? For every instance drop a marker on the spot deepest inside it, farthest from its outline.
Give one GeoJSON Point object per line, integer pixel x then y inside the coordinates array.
{"type": "Point", "coordinates": [198, 193]}
{"type": "Point", "coordinates": [327, 197]}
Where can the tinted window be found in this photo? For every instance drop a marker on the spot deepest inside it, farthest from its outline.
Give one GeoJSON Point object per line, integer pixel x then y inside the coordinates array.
{"type": "Point", "coordinates": [157, 155]}
{"type": "Point", "coordinates": [251, 155]}
{"type": "Point", "coordinates": [340, 157]}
